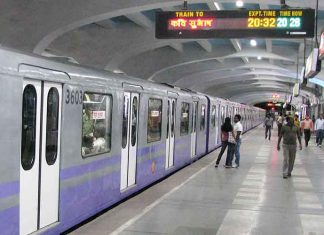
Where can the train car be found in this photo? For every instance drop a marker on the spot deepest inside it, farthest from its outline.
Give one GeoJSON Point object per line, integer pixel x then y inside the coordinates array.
{"type": "Point", "coordinates": [75, 140]}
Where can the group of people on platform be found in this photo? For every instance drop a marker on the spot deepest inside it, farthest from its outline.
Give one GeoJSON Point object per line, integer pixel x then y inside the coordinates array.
{"type": "Point", "coordinates": [306, 127]}
{"type": "Point", "coordinates": [231, 139]}
{"type": "Point", "coordinates": [289, 130]}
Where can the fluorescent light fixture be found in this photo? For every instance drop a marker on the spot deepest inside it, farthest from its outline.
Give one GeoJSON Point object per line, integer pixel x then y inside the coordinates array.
{"type": "Point", "coordinates": [297, 33]}
{"type": "Point", "coordinates": [239, 3]}
{"type": "Point", "coordinates": [117, 71]}
{"type": "Point", "coordinates": [239, 46]}
{"type": "Point", "coordinates": [217, 6]}
{"type": "Point", "coordinates": [253, 42]}
{"type": "Point", "coordinates": [259, 58]}
{"type": "Point", "coordinates": [317, 81]}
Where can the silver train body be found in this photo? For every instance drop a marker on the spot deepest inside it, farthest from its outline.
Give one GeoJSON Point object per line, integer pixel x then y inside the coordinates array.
{"type": "Point", "coordinates": [75, 141]}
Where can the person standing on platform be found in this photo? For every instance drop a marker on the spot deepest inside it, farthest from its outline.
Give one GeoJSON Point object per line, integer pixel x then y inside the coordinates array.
{"type": "Point", "coordinates": [238, 130]}
{"type": "Point", "coordinates": [230, 149]}
{"type": "Point", "coordinates": [319, 128]}
{"type": "Point", "coordinates": [279, 123]}
{"type": "Point", "coordinates": [289, 133]}
{"type": "Point", "coordinates": [226, 129]}
{"type": "Point", "coordinates": [297, 123]}
{"type": "Point", "coordinates": [284, 120]}
{"type": "Point", "coordinates": [268, 124]}
{"type": "Point", "coordinates": [307, 127]}
{"type": "Point", "coordinates": [313, 119]}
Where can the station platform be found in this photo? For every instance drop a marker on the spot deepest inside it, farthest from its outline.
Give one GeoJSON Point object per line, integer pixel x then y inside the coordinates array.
{"type": "Point", "coordinates": [251, 199]}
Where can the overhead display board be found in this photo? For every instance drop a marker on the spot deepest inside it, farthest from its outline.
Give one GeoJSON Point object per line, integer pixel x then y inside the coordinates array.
{"type": "Point", "coordinates": [284, 23]}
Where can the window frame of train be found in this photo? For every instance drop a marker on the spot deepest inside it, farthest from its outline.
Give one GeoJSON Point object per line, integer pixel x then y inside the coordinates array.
{"type": "Point", "coordinates": [213, 116]}
{"type": "Point", "coordinates": [159, 123]}
{"type": "Point", "coordinates": [202, 122]}
{"type": "Point", "coordinates": [184, 124]}
{"type": "Point", "coordinates": [96, 114]}
{"type": "Point", "coordinates": [28, 155]}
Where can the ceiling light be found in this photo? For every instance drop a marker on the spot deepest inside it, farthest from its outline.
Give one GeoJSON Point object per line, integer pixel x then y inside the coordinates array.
{"type": "Point", "coordinates": [239, 3]}
{"type": "Point", "coordinates": [259, 58]}
{"type": "Point", "coordinates": [253, 42]}
{"type": "Point", "coordinates": [217, 6]}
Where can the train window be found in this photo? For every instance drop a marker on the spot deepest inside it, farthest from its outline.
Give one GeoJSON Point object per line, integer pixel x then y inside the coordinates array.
{"type": "Point", "coordinates": [125, 121]}
{"type": "Point", "coordinates": [184, 122]}
{"type": "Point", "coordinates": [168, 116]}
{"type": "Point", "coordinates": [223, 114]}
{"type": "Point", "coordinates": [194, 116]}
{"type": "Point", "coordinates": [52, 125]}
{"type": "Point", "coordinates": [134, 120]}
{"type": "Point", "coordinates": [154, 120]}
{"type": "Point", "coordinates": [202, 117]}
{"type": "Point", "coordinates": [173, 118]}
{"type": "Point", "coordinates": [28, 136]}
{"type": "Point", "coordinates": [96, 124]}
{"type": "Point", "coordinates": [213, 116]}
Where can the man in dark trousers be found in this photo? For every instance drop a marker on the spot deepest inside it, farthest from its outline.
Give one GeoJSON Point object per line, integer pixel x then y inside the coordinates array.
{"type": "Point", "coordinates": [268, 124]}
{"type": "Point", "coordinates": [289, 133]}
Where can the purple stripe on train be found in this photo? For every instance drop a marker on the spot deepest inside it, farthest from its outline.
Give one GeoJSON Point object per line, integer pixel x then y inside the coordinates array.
{"type": "Point", "coordinates": [89, 167]}
{"type": "Point", "coordinates": [143, 151]}
{"type": "Point", "coordinates": [75, 171]}
{"type": "Point", "coordinates": [83, 200]}
{"type": "Point", "coordinates": [158, 147]}
{"type": "Point", "coordinates": [9, 221]}
{"type": "Point", "coordinates": [150, 149]}
{"type": "Point", "coordinates": [9, 189]}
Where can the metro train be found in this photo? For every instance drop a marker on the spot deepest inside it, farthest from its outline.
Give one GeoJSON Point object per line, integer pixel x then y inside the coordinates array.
{"type": "Point", "coordinates": [76, 140]}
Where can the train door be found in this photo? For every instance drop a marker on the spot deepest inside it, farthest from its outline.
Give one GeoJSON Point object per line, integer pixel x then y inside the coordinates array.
{"type": "Point", "coordinates": [40, 155]}
{"type": "Point", "coordinates": [169, 157]}
{"type": "Point", "coordinates": [129, 139]}
{"type": "Point", "coordinates": [194, 129]}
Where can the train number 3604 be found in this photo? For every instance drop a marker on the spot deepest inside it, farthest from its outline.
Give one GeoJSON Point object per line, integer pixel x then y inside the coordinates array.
{"type": "Point", "coordinates": [73, 97]}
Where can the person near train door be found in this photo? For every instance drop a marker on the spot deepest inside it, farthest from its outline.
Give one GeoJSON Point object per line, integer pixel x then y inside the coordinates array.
{"type": "Point", "coordinates": [226, 128]}
{"type": "Point", "coordinates": [289, 133]}
{"type": "Point", "coordinates": [231, 142]}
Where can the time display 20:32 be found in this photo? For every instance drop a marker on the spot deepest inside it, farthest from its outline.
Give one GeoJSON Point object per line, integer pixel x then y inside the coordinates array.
{"type": "Point", "coordinates": [280, 22]}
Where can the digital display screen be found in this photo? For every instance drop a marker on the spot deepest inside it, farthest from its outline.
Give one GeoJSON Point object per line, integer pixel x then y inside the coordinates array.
{"type": "Point", "coordinates": [285, 23]}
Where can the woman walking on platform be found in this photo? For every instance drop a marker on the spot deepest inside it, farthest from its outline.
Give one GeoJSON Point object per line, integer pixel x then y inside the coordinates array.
{"type": "Point", "coordinates": [226, 128]}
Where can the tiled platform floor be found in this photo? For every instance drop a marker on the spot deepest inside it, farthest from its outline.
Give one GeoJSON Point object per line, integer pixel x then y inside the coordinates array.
{"type": "Point", "coordinates": [253, 199]}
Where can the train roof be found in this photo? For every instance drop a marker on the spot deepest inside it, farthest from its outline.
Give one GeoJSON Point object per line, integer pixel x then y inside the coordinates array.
{"type": "Point", "coordinates": [21, 63]}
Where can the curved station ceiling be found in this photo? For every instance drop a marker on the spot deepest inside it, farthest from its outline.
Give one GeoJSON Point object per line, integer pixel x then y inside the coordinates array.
{"type": "Point", "coordinates": [119, 35]}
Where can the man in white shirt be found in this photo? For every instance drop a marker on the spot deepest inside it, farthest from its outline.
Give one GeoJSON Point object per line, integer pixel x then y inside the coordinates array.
{"type": "Point", "coordinates": [319, 128]}
{"type": "Point", "coordinates": [238, 129]}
